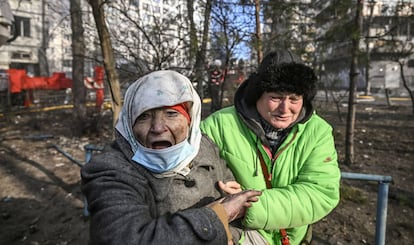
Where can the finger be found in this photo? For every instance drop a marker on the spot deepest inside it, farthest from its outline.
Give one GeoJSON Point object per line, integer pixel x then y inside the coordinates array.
{"type": "Point", "coordinates": [252, 193]}
{"type": "Point", "coordinates": [247, 205]}
{"type": "Point", "coordinates": [253, 199]}
{"type": "Point", "coordinates": [233, 184]}
{"type": "Point", "coordinates": [233, 191]}
{"type": "Point", "coordinates": [221, 185]}
{"type": "Point", "coordinates": [230, 187]}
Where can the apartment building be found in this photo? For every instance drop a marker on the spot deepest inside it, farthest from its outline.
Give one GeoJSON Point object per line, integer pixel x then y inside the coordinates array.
{"type": "Point", "coordinates": [6, 21]}
{"type": "Point", "coordinates": [42, 42]}
{"type": "Point", "coordinates": [321, 32]}
{"type": "Point", "coordinates": [153, 33]}
{"type": "Point", "coordinates": [386, 32]}
{"type": "Point", "coordinates": [23, 51]}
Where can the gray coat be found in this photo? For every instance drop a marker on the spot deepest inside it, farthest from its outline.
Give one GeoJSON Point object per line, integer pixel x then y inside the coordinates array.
{"type": "Point", "coordinates": [128, 205]}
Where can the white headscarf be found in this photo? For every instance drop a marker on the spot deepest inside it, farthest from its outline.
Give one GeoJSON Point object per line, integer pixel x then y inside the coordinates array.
{"type": "Point", "coordinates": [159, 89]}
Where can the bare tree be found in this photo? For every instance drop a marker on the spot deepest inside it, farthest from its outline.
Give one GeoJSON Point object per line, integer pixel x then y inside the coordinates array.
{"type": "Point", "coordinates": [43, 63]}
{"type": "Point", "coordinates": [287, 25]}
{"type": "Point", "coordinates": [230, 29]}
{"type": "Point", "coordinates": [368, 22]}
{"type": "Point", "coordinates": [401, 49]}
{"type": "Point", "coordinates": [200, 63]}
{"type": "Point", "coordinates": [108, 56]}
{"type": "Point", "coordinates": [405, 83]}
{"type": "Point", "coordinates": [350, 122]}
{"type": "Point", "coordinates": [258, 34]}
{"type": "Point", "coordinates": [193, 31]}
{"type": "Point", "coordinates": [151, 37]}
{"type": "Point", "coordinates": [78, 50]}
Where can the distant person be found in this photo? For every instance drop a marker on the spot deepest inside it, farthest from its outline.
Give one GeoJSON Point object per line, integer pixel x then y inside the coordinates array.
{"type": "Point", "coordinates": [232, 82]}
{"type": "Point", "coordinates": [157, 182]}
{"type": "Point", "coordinates": [273, 140]}
{"type": "Point", "coordinates": [214, 85]}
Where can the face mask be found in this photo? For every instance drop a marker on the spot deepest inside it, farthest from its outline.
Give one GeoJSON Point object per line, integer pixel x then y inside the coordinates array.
{"type": "Point", "coordinates": [162, 160]}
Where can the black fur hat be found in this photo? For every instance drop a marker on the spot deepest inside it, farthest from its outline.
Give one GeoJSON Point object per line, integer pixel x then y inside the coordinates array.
{"type": "Point", "coordinates": [282, 71]}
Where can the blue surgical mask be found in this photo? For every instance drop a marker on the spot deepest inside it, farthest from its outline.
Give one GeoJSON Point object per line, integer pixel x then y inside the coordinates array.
{"type": "Point", "coordinates": [162, 160]}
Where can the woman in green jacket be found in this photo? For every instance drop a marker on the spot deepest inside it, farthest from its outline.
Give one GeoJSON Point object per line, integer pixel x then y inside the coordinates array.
{"type": "Point", "coordinates": [273, 140]}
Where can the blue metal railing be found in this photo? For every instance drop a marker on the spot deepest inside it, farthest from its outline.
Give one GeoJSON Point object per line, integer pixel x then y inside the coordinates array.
{"type": "Point", "coordinates": [382, 198]}
{"type": "Point", "coordinates": [382, 201]}
{"type": "Point", "coordinates": [89, 149]}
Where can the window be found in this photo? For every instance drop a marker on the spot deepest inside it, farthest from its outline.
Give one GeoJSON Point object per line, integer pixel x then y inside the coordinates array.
{"type": "Point", "coordinates": [146, 6]}
{"type": "Point", "coordinates": [21, 55]}
{"type": "Point", "coordinates": [135, 3]}
{"type": "Point", "coordinates": [67, 63]}
{"type": "Point", "coordinates": [22, 26]}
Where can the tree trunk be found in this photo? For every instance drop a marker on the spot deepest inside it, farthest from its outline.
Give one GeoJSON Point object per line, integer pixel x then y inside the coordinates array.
{"type": "Point", "coordinates": [78, 52]}
{"type": "Point", "coordinates": [259, 48]}
{"type": "Point", "coordinates": [387, 96]}
{"type": "Point", "coordinates": [367, 42]}
{"type": "Point", "coordinates": [193, 31]}
{"type": "Point", "coordinates": [108, 57]}
{"type": "Point", "coordinates": [406, 85]}
{"type": "Point", "coordinates": [353, 74]}
{"type": "Point", "coordinates": [200, 66]}
{"type": "Point", "coordinates": [367, 67]}
{"type": "Point", "coordinates": [43, 63]}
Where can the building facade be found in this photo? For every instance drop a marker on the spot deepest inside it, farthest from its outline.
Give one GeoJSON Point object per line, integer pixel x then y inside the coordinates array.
{"type": "Point", "coordinates": [145, 34]}
{"type": "Point", "coordinates": [321, 31]}
{"type": "Point", "coordinates": [386, 35]}
{"type": "Point", "coordinates": [388, 32]}
{"type": "Point", "coordinates": [23, 51]}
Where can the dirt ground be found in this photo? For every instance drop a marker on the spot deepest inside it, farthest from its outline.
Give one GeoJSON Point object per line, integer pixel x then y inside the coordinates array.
{"type": "Point", "coordinates": [41, 203]}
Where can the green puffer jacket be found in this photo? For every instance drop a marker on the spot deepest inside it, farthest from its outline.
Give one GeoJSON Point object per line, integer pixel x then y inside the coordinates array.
{"type": "Point", "coordinates": [305, 174]}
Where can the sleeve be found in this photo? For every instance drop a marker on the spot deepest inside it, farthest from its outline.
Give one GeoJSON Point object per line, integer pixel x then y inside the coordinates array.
{"type": "Point", "coordinates": [211, 150]}
{"type": "Point", "coordinates": [211, 127]}
{"type": "Point", "coordinates": [119, 200]}
{"type": "Point", "coordinates": [311, 196]}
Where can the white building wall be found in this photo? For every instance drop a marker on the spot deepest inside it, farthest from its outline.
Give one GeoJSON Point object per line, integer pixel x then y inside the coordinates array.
{"type": "Point", "coordinates": [24, 49]}
{"type": "Point", "coordinates": [59, 54]}
{"type": "Point", "coordinates": [59, 50]}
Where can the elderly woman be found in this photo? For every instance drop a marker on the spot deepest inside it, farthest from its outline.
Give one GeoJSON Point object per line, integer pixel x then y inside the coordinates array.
{"type": "Point", "coordinates": [157, 182]}
{"type": "Point", "coordinates": [273, 140]}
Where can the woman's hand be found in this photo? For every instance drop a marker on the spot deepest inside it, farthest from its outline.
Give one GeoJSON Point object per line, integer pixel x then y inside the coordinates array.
{"type": "Point", "coordinates": [230, 187]}
{"type": "Point", "coordinates": [237, 204]}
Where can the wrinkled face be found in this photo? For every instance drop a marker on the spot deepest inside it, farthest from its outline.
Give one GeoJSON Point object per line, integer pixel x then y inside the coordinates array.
{"type": "Point", "coordinates": [160, 128]}
{"type": "Point", "coordinates": [279, 109]}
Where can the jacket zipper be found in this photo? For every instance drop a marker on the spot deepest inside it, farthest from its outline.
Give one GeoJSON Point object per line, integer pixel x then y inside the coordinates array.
{"type": "Point", "coordinates": [273, 159]}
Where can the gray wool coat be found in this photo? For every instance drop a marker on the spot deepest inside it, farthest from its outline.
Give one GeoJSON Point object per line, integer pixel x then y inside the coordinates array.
{"type": "Point", "coordinates": [128, 205]}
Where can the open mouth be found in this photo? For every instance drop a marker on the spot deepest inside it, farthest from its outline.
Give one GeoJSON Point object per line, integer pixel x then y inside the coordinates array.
{"type": "Point", "coordinates": [160, 144]}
